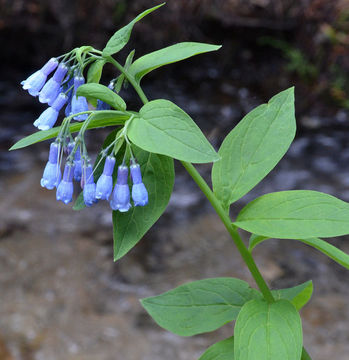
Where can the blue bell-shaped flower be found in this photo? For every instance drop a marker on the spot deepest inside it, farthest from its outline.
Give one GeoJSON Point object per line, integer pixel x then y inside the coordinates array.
{"type": "Point", "coordinates": [65, 188]}
{"type": "Point", "coordinates": [36, 81]}
{"type": "Point", "coordinates": [50, 91]}
{"type": "Point", "coordinates": [89, 191]}
{"type": "Point", "coordinates": [121, 195]}
{"type": "Point", "coordinates": [52, 173]}
{"type": "Point", "coordinates": [79, 103]}
{"type": "Point", "coordinates": [104, 185]}
{"type": "Point", "coordinates": [139, 192]}
{"type": "Point", "coordinates": [49, 117]}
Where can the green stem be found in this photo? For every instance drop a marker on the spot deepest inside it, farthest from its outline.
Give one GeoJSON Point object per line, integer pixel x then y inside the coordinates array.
{"type": "Point", "coordinates": [130, 78]}
{"type": "Point", "coordinates": [246, 255]}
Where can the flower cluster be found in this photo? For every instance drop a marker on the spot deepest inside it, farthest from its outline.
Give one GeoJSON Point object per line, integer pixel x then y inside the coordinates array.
{"type": "Point", "coordinates": [59, 91]}
{"type": "Point", "coordinates": [82, 171]}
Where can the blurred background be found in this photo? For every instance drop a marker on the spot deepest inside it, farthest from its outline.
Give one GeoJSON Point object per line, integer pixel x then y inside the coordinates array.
{"type": "Point", "coordinates": [61, 295]}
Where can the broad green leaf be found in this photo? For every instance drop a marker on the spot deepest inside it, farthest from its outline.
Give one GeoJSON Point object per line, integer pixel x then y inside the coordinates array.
{"type": "Point", "coordinates": [200, 306]}
{"type": "Point", "coordinates": [168, 55]}
{"type": "Point", "coordinates": [94, 75]}
{"type": "Point", "coordinates": [101, 92]}
{"type": "Point", "coordinates": [298, 295]}
{"type": "Point", "coordinates": [296, 214]}
{"type": "Point", "coordinates": [268, 331]}
{"type": "Point", "coordinates": [331, 251]}
{"type": "Point", "coordinates": [158, 177]}
{"type": "Point", "coordinates": [164, 128]}
{"type": "Point", "coordinates": [95, 71]}
{"type": "Point", "coordinates": [254, 147]}
{"type": "Point", "coordinates": [98, 168]}
{"type": "Point", "coordinates": [223, 350]}
{"type": "Point", "coordinates": [99, 119]}
{"type": "Point", "coordinates": [122, 36]}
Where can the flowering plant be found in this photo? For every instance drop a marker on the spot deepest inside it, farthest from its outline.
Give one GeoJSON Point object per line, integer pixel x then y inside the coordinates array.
{"type": "Point", "coordinates": [146, 142]}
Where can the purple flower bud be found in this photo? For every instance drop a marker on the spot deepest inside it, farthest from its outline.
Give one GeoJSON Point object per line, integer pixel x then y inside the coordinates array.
{"type": "Point", "coordinates": [77, 163]}
{"type": "Point", "coordinates": [50, 91]}
{"type": "Point", "coordinates": [89, 186]}
{"type": "Point", "coordinates": [79, 103]}
{"type": "Point", "coordinates": [101, 105]}
{"type": "Point", "coordinates": [49, 117]}
{"type": "Point", "coordinates": [52, 173]}
{"type": "Point", "coordinates": [121, 195]}
{"type": "Point", "coordinates": [36, 81]}
{"type": "Point", "coordinates": [70, 96]}
{"type": "Point", "coordinates": [139, 192]}
{"type": "Point", "coordinates": [104, 185]}
{"type": "Point", "coordinates": [65, 188]}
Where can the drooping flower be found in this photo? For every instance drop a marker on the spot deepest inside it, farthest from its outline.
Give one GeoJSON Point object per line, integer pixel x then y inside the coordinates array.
{"type": "Point", "coordinates": [121, 195]}
{"type": "Point", "coordinates": [49, 117]}
{"type": "Point", "coordinates": [70, 84]}
{"type": "Point", "coordinates": [36, 81]}
{"type": "Point", "coordinates": [52, 173]}
{"type": "Point", "coordinates": [77, 163]}
{"type": "Point", "coordinates": [104, 185]}
{"type": "Point", "coordinates": [139, 192]}
{"type": "Point", "coordinates": [79, 103]}
{"type": "Point", "coordinates": [65, 188]}
{"type": "Point", "coordinates": [89, 191]}
{"type": "Point", "coordinates": [51, 89]}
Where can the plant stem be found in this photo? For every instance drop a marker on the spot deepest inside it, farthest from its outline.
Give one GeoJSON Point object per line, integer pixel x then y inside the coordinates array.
{"type": "Point", "coordinates": [130, 78]}
{"type": "Point", "coordinates": [246, 255]}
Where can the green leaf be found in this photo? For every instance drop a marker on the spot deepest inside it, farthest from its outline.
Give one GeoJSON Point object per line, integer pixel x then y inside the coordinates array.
{"type": "Point", "coordinates": [268, 331]}
{"type": "Point", "coordinates": [254, 147]}
{"type": "Point", "coordinates": [200, 306]}
{"type": "Point", "coordinates": [158, 178]}
{"type": "Point", "coordinates": [329, 250]}
{"type": "Point", "coordinates": [122, 36]}
{"type": "Point", "coordinates": [168, 55]}
{"type": "Point", "coordinates": [101, 92]}
{"type": "Point", "coordinates": [223, 350]}
{"type": "Point", "coordinates": [297, 214]}
{"type": "Point", "coordinates": [255, 240]}
{"type": "Point", "coordinates": [298, 295]}
{"type": "Point", "coordinates": [164, 128]}
{"type": "Point", "coordinates": [99, 119]}
{"type": "Point", "coordinates": [94, 75]}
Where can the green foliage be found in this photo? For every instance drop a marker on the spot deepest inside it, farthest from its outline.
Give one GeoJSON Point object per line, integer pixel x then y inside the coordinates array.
{"type": "Point", "coordinates": [297, 214]}
{"type": "Point", "coordinates": [268, 331]}
{"type": "Point", "coordinates": [158, 177]}
{"type": "Point", "coordinates": [200, 306]}
{"type": "Point", "coordinates": [222, 350]}
{"type": "Point", "coordinates": [101, 92]}
{"type": "Point", "coordinates": [98, 119]}
{"type": "Point", "coordinates": [168, 55]}
{"type": "Point", "coordinates": [164, 128]}
{"type": "Point", "coordinates": [298, 295]}
{"type": "Point", "coordinates": [329, 250]}
{"type": "Point", "coordinates": [95, 71]}
{"type": "Point", "coordinates": [253, 148]}
{"type": "Point", "coordinates": [122, 36]}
